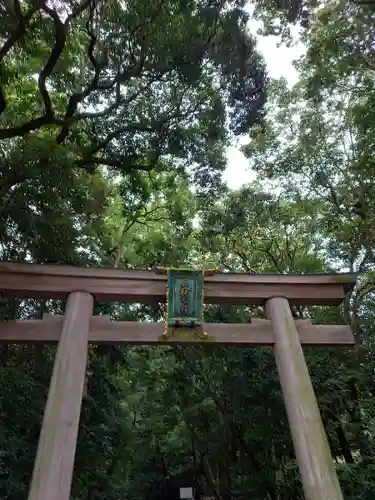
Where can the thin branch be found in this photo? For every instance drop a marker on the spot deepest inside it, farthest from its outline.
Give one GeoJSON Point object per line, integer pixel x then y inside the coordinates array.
{"type": "Point", "coordinates": [126, 163]}
{"type": "Point", "coordinates": [131, 127]}
{"type": "Point", "coordinates": [121, 243]}
{"type": "Point", "coordinates": [364, 2]}
{"type": "Point", "coordinates": [273, 259]}
{"type": "Point", "coordinates": [78, 10]}
{"type": "Point", "coordinates": [12, 40]}
{"type": "Point", "coordinates": [77, 97]}
{"type": "Point", "coordinates": [61, 33]}
{"type": "Point", "coordinates": [70, 118]}
{"type": "Point", "coordinates": [335, 201]}
{"type": "Point", "coordinates": [244, 261]}
{"type": "Point", "coordinates": [20, 30]}
{"type": "Point", "coordinates": [3, 103]}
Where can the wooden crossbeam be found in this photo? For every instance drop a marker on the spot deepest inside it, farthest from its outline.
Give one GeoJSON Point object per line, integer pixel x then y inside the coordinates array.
{"type": "Point", "coordinates": [56, 282]}
{"type": "Point", "coordinates": [104, 331]}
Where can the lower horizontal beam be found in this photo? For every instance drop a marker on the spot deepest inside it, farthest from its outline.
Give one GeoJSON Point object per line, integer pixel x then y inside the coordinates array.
{"type": "Point", "coordinates": [104, 331]}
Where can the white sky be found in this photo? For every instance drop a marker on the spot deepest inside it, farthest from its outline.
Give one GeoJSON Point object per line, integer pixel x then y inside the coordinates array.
{"type": "Point", "coordinates": [279, 64]}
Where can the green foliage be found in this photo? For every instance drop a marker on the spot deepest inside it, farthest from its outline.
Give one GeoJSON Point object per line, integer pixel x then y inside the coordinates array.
{"type": "Point", "coordinates": [131, 86]}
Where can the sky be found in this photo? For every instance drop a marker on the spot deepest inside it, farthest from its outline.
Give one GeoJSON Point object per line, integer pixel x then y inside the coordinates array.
{"type": "Point", "coordinates": [279, 64]}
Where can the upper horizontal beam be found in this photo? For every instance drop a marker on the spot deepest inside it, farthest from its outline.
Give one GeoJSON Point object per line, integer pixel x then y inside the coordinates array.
{"type": "Point", "coordinates": [104, 331]}
{"type": "Point", "coordinates": [56, 282]}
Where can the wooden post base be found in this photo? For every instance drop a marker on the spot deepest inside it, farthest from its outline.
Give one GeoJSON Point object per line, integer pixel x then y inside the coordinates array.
{"type": "Point", "coordinates": [314, 458]}
{"type": "Point", "coordinates": [54, 462]}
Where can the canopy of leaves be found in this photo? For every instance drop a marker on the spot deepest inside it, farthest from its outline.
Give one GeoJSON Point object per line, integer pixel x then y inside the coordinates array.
{"type": "Point", "coordinates": [130, 85]}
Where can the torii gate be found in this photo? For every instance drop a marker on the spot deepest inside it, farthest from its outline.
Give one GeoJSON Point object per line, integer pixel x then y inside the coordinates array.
{"type": "Point", "coordinates": [54, 462]}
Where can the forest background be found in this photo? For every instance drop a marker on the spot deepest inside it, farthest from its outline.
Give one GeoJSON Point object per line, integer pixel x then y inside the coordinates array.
{"type": "Point", "coordinates": [115, 119]}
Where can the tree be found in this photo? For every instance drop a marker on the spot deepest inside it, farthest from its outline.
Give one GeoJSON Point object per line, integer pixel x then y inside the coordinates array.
{"type": "Point", "coordinates": [126, 91]}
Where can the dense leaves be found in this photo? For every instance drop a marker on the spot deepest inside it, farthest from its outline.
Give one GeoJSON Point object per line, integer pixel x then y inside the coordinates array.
{"type": "Point", "coordinates": [131, 87]}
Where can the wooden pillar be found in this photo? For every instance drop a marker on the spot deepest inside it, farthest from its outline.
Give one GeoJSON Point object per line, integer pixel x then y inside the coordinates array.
{"type": "Point", "coordinates": [54, 462]}
{"type": "Point", "coordinates": [314, 458]}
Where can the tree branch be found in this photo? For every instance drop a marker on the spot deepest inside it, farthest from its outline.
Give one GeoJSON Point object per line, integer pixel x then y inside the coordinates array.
{"type": "Point", "coordinates": [21, 130]}
{"type": "Point", "coordinates": [77, 97]}
{"type": "Point", "coordinates": [61, 32]}
{"type": "Point", "coordinates": [244, 260]}
{"type": "Point", "coordinates": [19, 31]}
{"type": "Point", "coordinates": [273, 259]}
{"type": "Point", "coordinates": [12, 40]}
{"type": "Point", "coordinates": [132, 127]}
{"type": "Point", "coordinates": [126, 163]}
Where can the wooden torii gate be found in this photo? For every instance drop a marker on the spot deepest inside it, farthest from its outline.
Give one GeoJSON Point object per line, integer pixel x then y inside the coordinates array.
{"type": "Point", "coordinates": [73, 332]}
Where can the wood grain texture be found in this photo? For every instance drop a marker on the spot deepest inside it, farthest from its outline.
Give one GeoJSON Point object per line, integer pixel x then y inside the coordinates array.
{"type": "Point", "coordinates": [104, 331]}
{"type": "Point", "coordinates": [56, 282]}
{"type": "Point", "coordinates": [54, 462]}
{"type": "Point", "coordinates": [316, 466]}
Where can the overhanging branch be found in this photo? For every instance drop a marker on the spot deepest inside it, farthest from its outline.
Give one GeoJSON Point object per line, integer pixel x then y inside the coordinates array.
{"type": "Point", "coordinates": [78, 97]}
{"type": "Point", "coordinates": [20, 30]}
{"type": "Point", "coordinates": [61, 32]}
{"type": "Point", "coordinates": [16, 35]}
{"type": "Point", "coordinates": [125, 163]}
{"type": "Point", "coordinates": [35, 124]}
